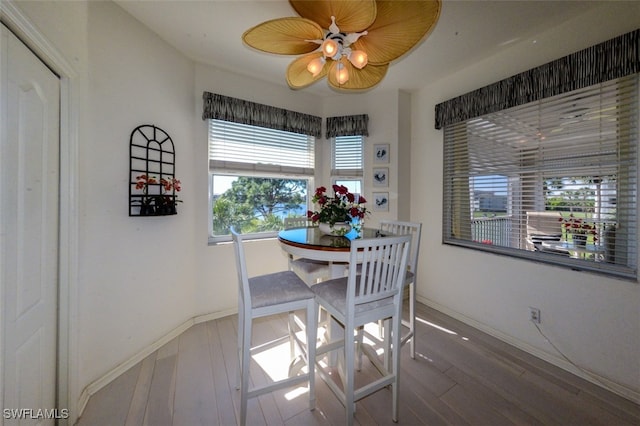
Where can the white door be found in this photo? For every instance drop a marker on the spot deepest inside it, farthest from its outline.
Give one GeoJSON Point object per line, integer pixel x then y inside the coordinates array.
{"type": "Point", "coordinates": [29, 171]}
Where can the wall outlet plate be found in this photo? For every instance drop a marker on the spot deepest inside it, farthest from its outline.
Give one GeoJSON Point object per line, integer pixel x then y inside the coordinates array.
{"type": "Point", "coordinates": [534, 315]}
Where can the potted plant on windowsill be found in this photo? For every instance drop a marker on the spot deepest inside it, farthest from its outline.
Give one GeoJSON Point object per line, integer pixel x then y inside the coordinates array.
{"type": "Point", "coordinates": [337, 213]}
{"type": "Point", "coordinates": [579, 229]}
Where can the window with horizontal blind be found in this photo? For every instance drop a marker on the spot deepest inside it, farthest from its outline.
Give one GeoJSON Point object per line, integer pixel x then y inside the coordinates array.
{"type": "Point", "coordinates": [347, 161]}
{"type": "Point", "coordinates": [258, 176]}
{"type": "Point", "coordinates": [347, 155]}
{"type": "Point", "coordinates": [553, 180]}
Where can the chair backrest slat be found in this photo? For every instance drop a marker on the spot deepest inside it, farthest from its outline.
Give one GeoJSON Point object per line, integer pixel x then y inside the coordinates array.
{"type": "Point", "coordinates": [384, 265]}
{"type": "Point", "coordinates": [241, 268]}
{"type": "Point", "coordinates": [401, 228]}
{"type": "Point", "coordinates": [296, 222]}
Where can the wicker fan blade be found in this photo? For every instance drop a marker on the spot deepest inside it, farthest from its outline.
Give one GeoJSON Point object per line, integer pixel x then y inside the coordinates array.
{"type": "Point", "coordinates": [362, 79]}
{"type": "Point", "coordinates": [285, 36]}
{"type": "Point", "coordinates": [299, 77]}
{"type": "Point", "coordinates": [351, 16]}
{"type": "Point", "coordinates": [398, 27]}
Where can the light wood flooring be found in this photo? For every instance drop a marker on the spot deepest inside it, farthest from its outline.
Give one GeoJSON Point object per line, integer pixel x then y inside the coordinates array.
{"type": "Point", "coordinates": [460, 376]}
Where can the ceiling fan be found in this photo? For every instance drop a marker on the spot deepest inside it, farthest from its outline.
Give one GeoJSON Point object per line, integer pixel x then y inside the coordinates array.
{"type": "Point", "coordinates": [351, 42]}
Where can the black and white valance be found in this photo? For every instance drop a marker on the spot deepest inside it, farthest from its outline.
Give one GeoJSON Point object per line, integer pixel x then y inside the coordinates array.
{"type": "Point", "coordinates": [348, 125]}
{"type": "Point", "coordinates": [606, 61]}
{"type": "Point", "coordinates": [245, 112]}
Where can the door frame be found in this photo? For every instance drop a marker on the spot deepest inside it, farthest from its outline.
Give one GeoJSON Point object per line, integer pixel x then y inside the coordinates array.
{"type": "Point", "coordinates": [67, 345]}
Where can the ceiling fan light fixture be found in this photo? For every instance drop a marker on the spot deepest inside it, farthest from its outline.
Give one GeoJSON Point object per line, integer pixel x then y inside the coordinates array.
{"type": "Point", "coordinates": [392, 28]}
{"type": "Point", "coordinates": [330, 48]}
{"type": "Point", "coordinates": [358, 58]}
{"type": "Point", "coordinates": [316, 65]}
{"type": "Point", "coordinates": [342, 74]}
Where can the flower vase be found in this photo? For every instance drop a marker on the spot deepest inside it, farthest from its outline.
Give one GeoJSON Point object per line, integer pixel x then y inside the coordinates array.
{"type": "Point", "coordinates": [337, 229]}
{"type": "Point", "coordinates": [146, 210]}
{"type": "Point", "coordinates": [580, 240]}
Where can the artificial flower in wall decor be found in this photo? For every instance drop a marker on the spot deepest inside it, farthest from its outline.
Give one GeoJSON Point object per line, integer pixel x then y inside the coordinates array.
{"type": "Point", "coordinates": [143, 182]}
{"type": "Point", "coordinates": [349, 42]}
{"type": "Point", "coordinates": [163, 201]}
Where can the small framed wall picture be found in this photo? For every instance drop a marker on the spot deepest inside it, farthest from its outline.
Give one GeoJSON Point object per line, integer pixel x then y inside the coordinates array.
{"type": "Point", "coordinates": [381, 201]}
{"type": "Point", "coordinates": [381, 176]}
{"type": "Point", "coordinates": [381, 153]}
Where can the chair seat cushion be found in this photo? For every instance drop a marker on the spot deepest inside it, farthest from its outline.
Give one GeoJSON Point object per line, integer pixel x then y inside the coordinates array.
{"type": "Point", "coordinates": [334, 292]}
{"type": "Point", "coordinates": [310, 266]}
{"type": "Point", "coordinates": [276, 288]}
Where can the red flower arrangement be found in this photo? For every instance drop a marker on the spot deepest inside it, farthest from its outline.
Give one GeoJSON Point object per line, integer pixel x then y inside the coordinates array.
{"type": "Point", "coordinates": [574, 225]}
{"type": "Point", "coordinates": [342, 207]}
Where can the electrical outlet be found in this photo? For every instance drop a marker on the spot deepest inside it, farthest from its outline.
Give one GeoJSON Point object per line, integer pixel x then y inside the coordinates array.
{"type": "Point", "coordinates": [534, 315]}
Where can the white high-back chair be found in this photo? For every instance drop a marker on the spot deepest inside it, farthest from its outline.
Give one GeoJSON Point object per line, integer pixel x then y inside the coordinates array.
{"type": "Point", "coordinates": [311, 271]}
{"type": "Point", "coordinates": [374, 293]}
{"type": "Point", "coordinates": [415, 230]}
{"type": "Point", "coordinates": [296, 222]}
{"type": "Point", "coordinates": [271, 294]}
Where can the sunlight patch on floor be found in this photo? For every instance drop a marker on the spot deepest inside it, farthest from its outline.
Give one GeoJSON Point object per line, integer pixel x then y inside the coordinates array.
{"type": "Point", "coordinates": [436, 326]}
{"type": "Point", "coordinates": [274, 361]}
{"type": "Point", "coordinates": [299, 391]}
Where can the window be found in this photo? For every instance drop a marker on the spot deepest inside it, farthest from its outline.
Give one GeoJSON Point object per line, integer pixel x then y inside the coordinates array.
{"type": "Point", "coordinates": [523, 180]}
{"type": "Point", "coordinates": [258, 176]}
{"type": "Point", "coordinates": [347, 161]}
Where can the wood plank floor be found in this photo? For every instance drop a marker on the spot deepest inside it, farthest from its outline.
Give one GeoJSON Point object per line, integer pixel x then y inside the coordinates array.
{"type": "Point", "coordinates": [460, 376]}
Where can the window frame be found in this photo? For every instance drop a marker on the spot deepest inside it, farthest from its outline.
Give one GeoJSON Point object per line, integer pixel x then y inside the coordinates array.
{"type": "Point", "coordinates": [452, 220]}
{"type": "Point", "coordinates": [347, 174]}
{"type": "Point", "coordinates": [254, 170]}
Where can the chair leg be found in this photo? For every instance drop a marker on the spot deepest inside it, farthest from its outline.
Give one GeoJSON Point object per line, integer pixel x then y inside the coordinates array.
{"type": "Point", "coordinates": [395, 387]}
{"type": "Point", "coordinates": [359, 340]}
{"type": "Point", "coordinates": [244, 370]}
{"type": "Point", "coordinates": [292, 330]}
{"type": "Point", "coordinates": [312, 339]}
{"type": "Point", "coordinates": [239, 347]}
{"type": "Point", "coordinates": [412, 319]}
{"type": "Point", "coordinates": [349, 385]}
{"type": "Point", "coordinates": [388, 347]}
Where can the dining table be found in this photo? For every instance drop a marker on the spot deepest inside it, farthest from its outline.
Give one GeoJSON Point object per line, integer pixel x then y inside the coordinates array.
{"type": "Point", "coordinates": [311, 243]}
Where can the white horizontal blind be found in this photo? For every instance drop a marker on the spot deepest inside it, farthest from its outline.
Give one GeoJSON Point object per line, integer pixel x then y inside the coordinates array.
{"type": "Point", "coordinates": [572, 154]}
{"type": "Point", "coordinates": [235, 146]}
{"type": "Point", "coordinates": [347, 155]}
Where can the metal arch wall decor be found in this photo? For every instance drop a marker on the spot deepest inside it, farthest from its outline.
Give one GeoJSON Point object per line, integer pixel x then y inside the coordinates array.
{"type": "Point", "coordinates": [152, 174]}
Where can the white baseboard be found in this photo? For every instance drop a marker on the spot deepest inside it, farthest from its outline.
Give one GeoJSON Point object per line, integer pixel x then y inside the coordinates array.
{"type": "Point", "coordinates": [594, 378]}
{"type": "Point", "coordinates": [111, 375]}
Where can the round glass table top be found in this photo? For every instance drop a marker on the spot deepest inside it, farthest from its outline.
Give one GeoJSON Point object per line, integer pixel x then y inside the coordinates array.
{"type": "Point", "coordinates": [312, 237]}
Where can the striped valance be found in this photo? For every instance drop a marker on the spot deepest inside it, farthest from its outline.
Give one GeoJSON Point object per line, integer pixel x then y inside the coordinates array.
{"type": "Point", "coordinates": [348, 125]}
{"type": "Point", "coordinates": [245, 112]}
{"type": "Point", "coordinates": [611, 59]}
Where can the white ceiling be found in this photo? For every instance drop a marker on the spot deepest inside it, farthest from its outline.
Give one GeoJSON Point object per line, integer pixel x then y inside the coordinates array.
{"type": "Point", "coordinates": [209, 31]}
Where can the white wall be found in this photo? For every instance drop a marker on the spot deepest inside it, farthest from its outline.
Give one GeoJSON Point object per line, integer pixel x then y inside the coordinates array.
{"type": "Point", "coordinates": [137, 274]}
{"type": "Point", "coordinates": [136, 277]}
{"type": "Point", "coordinates": [594, 320]}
